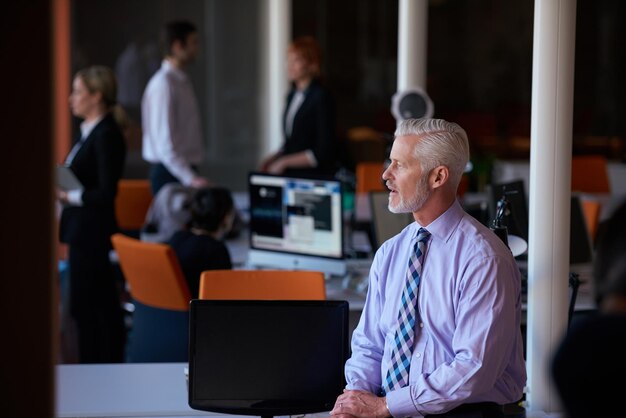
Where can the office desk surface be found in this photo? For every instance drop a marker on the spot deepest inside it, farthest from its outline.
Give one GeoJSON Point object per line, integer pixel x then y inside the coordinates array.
{"type": "Point", "coordinates": [123, 390]}
{"type": "Point", "coordinates": [138, 390]}
{"type": "Point", "coordinates": [127, 390]}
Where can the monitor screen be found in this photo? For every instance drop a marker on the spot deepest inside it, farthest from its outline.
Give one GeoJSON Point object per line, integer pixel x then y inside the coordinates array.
{"type": "Point", "coordinates": [296, 223]}
{"type": "Point", "coordinates": [267, 358]}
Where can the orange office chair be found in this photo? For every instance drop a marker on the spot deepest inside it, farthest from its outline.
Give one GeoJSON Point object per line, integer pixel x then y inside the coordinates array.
{"type": "Point", "coordinates": [262, 285]}
{"type": "Point", "coordinates": [369, 177]}
{"type": "Point", "coordinates": [590, 174]}
{"type": "Point", "coordinates": [161, 298]}
{"type": "Point", "coordinates": [131, 203]}
{"type": "Point", "coordinates": [591, 210]}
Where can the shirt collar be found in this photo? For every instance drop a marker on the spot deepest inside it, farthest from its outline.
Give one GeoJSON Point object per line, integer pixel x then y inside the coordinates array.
{"type": "Point", "coordinates": [167, 66]}
{"type": "Point", "coordinates": [446, 223]}
{"type": "Point", "coordinates": [87, 127]}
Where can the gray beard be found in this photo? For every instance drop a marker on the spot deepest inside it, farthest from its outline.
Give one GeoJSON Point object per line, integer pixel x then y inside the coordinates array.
{"type": "Point", "coordinates": [422, 193]}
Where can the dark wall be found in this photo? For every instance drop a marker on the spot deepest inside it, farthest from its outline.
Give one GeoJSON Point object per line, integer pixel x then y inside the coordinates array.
{"type": "Point", "coordinates": [27, 317]}
{"type": "Point", "coordinates": [479, 62]}
{"type": "Point", "coordinates": [479, 70]}
{"type": "Point", "coordinates": [479, 55]}
{"type": "Point", "coordinates": [600, 85]}
{"type": "Point", "coordinates": [225, 76]}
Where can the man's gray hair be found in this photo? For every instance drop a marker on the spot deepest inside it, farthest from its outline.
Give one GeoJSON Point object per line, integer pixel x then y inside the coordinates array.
{"type": "Point", "coordinates": [441, 143]}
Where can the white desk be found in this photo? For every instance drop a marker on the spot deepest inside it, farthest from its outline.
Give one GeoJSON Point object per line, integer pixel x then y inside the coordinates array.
{"type": "Point", "coordinates": [126, 390]}
{"type": "Point", "coordinates": [123, 390]}
{"type": "Point", "coordinates": [138, 390]}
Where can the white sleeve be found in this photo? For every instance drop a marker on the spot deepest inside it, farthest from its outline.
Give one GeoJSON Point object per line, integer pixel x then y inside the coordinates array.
{"type": "Point", "coordinates": [75, 197]}
{"type": "Point", "coordinates": [311, 157]}
{"type": "Point", "coordinates": [166, 135]}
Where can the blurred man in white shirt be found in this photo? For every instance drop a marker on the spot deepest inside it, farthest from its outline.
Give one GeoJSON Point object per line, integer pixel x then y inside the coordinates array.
{"type": "Point", "coordinates": [172, 136]}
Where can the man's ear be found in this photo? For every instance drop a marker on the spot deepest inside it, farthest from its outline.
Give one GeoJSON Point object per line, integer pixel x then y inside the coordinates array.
{"type": "Point", "coordinates": [439, 176]}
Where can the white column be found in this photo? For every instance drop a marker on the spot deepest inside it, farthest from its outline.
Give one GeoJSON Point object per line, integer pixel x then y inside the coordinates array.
{"type": "Point", "coordinates": [412, 43]}
{"type": "Point", "coordinates": [274, 85]}
{"type": "Point", "coordinates": [549, 194]}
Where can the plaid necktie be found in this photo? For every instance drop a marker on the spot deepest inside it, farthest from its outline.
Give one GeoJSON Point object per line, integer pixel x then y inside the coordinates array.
{"type": "Point", "coordinates": [398, 373]}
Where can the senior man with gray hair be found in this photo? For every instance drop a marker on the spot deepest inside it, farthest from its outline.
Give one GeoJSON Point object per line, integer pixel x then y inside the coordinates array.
{"type": "Point", "coordinates": [440, 331]}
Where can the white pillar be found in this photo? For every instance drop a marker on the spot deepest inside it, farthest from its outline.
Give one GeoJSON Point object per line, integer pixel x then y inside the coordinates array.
{"type": "Point", "coordinates": [412, 43]}
{"type": "Point", "coordinates": [549, 194]}
{"type": "Point", "coordinates": [274, 85]}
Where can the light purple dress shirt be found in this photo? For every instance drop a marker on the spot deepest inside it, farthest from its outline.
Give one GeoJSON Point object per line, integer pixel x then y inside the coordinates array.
{"type": "Point", "coordinates": [468, 345]}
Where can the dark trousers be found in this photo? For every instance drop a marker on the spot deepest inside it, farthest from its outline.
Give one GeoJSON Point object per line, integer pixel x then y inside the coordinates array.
{"type": "Point", "coordinates": [95, 304]}
{"type": "Point", "coordinates": [160, 176]}
{"type": "Point", "coordinates": [473, 410]}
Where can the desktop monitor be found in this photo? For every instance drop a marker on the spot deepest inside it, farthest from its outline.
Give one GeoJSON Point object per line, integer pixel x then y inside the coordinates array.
{"type": "Point", "coordinates": [385, 224]}
{"type": "Point", "coordinates": [267, 358]}
{"type": "Point", "coordinates": [296, 223]}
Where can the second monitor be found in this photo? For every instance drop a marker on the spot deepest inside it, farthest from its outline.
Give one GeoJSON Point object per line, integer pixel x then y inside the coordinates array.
{"type": "Point", "coordinates": [296, 223]}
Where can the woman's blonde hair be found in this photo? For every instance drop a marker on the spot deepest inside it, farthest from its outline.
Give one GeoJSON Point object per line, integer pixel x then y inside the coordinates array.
{"type": "Point", "coordinates": [101, 79]}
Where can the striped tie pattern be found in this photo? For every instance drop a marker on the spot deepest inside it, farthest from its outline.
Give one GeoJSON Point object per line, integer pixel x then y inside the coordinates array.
{"type": "Point", "coordinates": [398, 373]}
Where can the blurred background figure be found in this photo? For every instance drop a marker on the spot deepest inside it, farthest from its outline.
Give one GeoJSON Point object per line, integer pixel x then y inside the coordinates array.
{"type": "Point", "coordinates": [88, 217]}
{"type": "Point", "coordinates": [172, 137]}
{"type": "Point", "coordinates": [133, 68]}
{"type": "Point", "coordinates": [169, 212]}
{"type": "Point", "coordinates": [589, 358]}
{"type": "Point", "coordinates": [200, 246]}
{"type": "Point", "coordinates": [310, 146]}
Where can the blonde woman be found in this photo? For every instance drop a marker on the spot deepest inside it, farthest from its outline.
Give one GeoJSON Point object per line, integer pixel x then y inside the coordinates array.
{"type": "Point", "coordinates": [88, 217]}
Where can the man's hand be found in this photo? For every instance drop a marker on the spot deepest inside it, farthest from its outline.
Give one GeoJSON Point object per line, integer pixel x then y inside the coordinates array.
{"type": "Point", "coordinates": [361, 404]}
{"type": "Point", "coordinates": [265, 164]}
{"type": "Point", "coordinates": [277, 166]}
{"type": "Point", "coordinates": [200, 182]}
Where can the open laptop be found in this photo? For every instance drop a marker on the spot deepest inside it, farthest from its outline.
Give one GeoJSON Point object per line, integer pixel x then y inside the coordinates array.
{"type": "Point", "coordinates": [385, 224]}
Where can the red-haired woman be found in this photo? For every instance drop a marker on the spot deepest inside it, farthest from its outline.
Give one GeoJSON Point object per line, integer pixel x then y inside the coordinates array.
{"type": "Point", "coordinates": [310, 146]}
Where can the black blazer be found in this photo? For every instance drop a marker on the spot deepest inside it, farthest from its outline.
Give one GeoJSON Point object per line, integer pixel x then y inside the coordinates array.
{"type": "Point", "coordinates": [313, 127]}
{"type": "Point", "coordinates": [98, 165]}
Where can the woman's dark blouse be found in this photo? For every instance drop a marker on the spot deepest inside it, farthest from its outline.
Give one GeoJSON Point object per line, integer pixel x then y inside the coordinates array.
{"type": "Point", "coordinates": [197, 253]}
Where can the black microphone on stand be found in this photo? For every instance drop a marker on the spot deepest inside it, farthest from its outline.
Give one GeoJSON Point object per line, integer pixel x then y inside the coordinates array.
{"type": "Point", "coordinates": [516, 244]}
{"type": "Point", "coordinates": [498, 225]}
